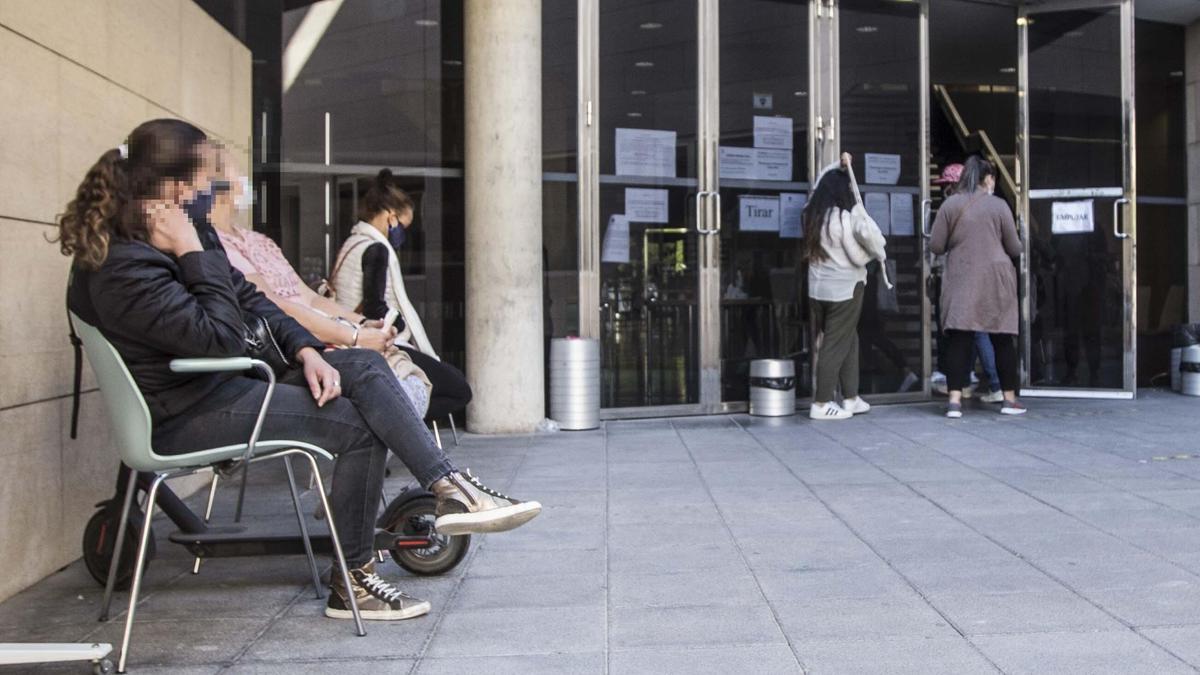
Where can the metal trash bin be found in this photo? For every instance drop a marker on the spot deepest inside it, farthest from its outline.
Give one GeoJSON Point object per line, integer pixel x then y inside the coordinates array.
{"type": "Point", "coordinates": [772, 387]}
{"type": "Point", "coordinates": [1176, 374]}
{"type": "Point", "coordinates": [575, 383]}
{"type": "Point", "coordinates": [1190, 371]}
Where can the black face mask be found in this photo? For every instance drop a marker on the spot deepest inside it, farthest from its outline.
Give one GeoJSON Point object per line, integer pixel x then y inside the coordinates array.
{"type": "Point", "coordinates": [197, 210]}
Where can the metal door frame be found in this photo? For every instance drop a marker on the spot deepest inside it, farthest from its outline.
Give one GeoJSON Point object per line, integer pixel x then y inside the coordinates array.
{"type": "Point", "coordinates": [1125, 221]}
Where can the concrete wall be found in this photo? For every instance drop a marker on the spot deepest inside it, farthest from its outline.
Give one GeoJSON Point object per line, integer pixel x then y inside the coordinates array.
{"type": "Point", "coordinates": [76, 78]}
{"type": "Point", "coordinates": [1192, 95]}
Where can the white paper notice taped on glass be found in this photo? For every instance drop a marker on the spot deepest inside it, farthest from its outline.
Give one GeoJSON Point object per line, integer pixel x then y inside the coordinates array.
{"type": "Point", "coordinates": [646, 152]}
{"type": "Point", "coordinates": [772, 164]}
{"type": "Point", "coordinates": [1072, 217]}
{"type": "Point", "coordinates": [881, 169]}
{"type": "Point", "coordinates": [879, 208]}
{"type": "Point", "coordinates": [773, 132]}
{"type": "Point", "coordinates": [644, 205]}
{"type": "Point", "coordinates": [737, 162]}
{"type": "Point", "coordinates": [903, 224]}
{"type": "Point", "coordinates": [616, 241]}
{"type": "Point", "coordinates": [791, 211]}
{"type": "Point", "coordinates": [758, 214]}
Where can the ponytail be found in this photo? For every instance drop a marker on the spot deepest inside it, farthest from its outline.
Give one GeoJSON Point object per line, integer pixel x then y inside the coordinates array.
{"type": "Point", "coordinates": [91, 218]}
{"type": "Point", "coordinates": [106, 202]}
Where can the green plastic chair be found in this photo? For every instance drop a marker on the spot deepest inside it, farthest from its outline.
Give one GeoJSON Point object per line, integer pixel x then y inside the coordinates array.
{"type": "Point", "coordinates": [131, 428]}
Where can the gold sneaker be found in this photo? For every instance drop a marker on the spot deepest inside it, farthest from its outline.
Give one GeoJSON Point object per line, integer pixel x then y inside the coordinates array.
{"type": "Point", "coordinates": [466, 506]}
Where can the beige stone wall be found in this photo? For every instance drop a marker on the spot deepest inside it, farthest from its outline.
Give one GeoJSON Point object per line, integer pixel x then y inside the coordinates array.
{"type": "Point", "coordinates": [76, 78]}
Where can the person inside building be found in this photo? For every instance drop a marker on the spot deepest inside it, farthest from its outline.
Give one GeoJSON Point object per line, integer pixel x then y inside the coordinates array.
{"type": "Point", "coordinates": [367, 279]}
{"type": "Point", "coordinates": [141, 275]}
{"type": "Point", "coordinates": [840, 239]}
{"type": "Point", "coordinates": [263, 264]}
{"type": "Point", "coordinates": [975, 230]}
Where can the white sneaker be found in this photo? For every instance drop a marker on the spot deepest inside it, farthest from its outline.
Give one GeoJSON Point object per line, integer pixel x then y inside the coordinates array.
{"type": "Point", "coordinates": [992, 397]}
{"type": "Point", "coordinates": [828, 411]}
{"type": "Point", "coordinates": [937, 382]}
{"type": "Point", "coordinates": [856, 405]}
{"type": "Point", "coordinates": [910, 380]}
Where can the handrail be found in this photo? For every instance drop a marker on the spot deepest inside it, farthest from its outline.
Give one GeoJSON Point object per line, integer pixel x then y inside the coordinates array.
{"type": "Point", "coordinates": [964, 134]}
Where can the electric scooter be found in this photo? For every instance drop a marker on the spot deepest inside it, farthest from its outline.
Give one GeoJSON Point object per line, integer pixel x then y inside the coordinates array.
{"type": "Point", "coordinates": [405, 532]}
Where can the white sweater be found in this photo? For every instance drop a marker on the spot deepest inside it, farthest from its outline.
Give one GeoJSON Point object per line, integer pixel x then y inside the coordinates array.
{"type": "Point", "coordinates": [348, 282]}
{"type": "Point", "coordinates": [834, 279]}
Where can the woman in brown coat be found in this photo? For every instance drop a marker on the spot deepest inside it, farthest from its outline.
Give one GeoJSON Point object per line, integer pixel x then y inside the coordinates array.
{"type": "Point", "coordinates": [975, 230]}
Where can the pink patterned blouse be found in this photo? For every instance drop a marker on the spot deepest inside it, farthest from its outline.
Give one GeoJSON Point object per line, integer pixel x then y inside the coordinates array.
{"type": "Point", "coordinates": [255, 253]}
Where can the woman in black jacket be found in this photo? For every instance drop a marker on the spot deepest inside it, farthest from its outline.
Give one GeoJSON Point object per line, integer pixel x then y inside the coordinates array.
{"type": "Point", "coordinates": [143, 278]}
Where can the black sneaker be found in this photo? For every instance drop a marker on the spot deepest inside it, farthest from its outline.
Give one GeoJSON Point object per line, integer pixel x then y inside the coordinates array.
{"type": "Point", "coordinates": [377, 599]}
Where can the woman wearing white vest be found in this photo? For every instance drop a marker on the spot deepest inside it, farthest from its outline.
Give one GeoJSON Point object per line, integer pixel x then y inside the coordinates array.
{"type": "Point", "coordinates": [368, 280]}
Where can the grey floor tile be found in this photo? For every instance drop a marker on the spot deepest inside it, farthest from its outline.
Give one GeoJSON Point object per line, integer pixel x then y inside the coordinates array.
{"type": "Point", "coordinates": [527, 664]}
{"type": "Point", "coordinates": [1182, 641]}
{"type": "Point", "coordinates": [715, 625]}
{"type": "Point", "coordinates": [500, 562]}
{"type": "Point", "coordinates": [375, 665]}
{"type": "Point", "coordinates": [855, 618]}
{"type": "Point", "coordinates": [315, 638]}
{"type": "Point", "coordinates": [510, 592]}
{"type": "Point", "coordinates": [705, 588]}
{"type": "Point", "coordinates": [181, 642]}
{"type": "Point", "coordinates": [718, 660]}
{"type": "Point", "coordinates": [1168, 604]}
{"type": "Point", "coordinates": [1024, 612]}
{"type": "Point", "coordinates": [1094, 653]}
{"type": "Point", "coordinates": [895, 656]}
{"type": "Point", "coordinates": [934, 576]}
{"type": "Point", "coordinates": [516, 632]}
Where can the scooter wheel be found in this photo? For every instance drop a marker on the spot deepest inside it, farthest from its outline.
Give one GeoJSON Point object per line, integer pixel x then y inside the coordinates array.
{"type": "Point", "coordinates": [416, 517]}
{"type": "Point", "coordinates": [98, 538]}
{"type": "Point", "coordinates": [104, 667]}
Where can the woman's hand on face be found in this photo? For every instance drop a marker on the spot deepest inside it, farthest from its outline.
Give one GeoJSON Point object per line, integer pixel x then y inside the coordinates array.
{"type": "Point", "coordinates": [846, 159]}
{"type": "Point", "coordinates": [377, 339]}
{"type": "Point", "coordinates": [324, 382]}
{"type": "Point", "coordinates": [171, 230]}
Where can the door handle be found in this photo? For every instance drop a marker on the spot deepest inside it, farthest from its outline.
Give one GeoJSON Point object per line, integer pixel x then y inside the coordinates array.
{"type": "Point", "coordinates": [1117, 231]}
{"type": "Point", "coordinates": [717, 210]}
{"type": "Point", "coordinates": [699, 211]}
{"type": "Point", "coordinates": [926, 225]}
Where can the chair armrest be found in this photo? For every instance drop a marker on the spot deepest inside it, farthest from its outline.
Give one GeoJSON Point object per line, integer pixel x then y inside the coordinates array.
{"type": "Point", "coordinates": [206, 365]}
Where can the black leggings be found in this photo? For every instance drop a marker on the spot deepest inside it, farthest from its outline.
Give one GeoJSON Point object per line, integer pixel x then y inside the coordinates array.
{"type": "Point", "coordinates": [451, 393]}
{"type": "Point", "coordinates": [959, 359]}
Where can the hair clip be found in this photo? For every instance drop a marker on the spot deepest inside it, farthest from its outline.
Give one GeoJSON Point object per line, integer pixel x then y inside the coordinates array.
{"type": "Point", "coordinates": [123, 150]}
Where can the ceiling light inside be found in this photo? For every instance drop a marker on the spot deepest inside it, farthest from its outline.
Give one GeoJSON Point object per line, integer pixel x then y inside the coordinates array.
{"type": "Point", "coordinates": [644, 64]}
{"type": "Point", "coordinates": [1008, 70]}
{"type": "Point", "coordinates": [638, 92]}
{"type": "Point", "coordinates": [633, 114]}
{"type": "Point", "coordinates": [426, 23]}
{"type": "Point", "coordinates": [867, 29]}
{"type": "Point", "coordinates": [650, 25]}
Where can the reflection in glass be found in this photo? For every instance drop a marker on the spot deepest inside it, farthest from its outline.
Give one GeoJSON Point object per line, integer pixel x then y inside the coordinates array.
{"type": "Point", "coordinates": [649, 266]}
{"type": "Point", "coordinates": [879, 67]}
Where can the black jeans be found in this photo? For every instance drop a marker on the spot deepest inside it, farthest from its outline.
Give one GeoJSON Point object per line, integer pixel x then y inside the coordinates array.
{"type": "Point", "coordinates": [372, 415]}
{"type": "Point", "coordinates": [451, 392]}
{"type": "Point", "coordinates": [960, 358]}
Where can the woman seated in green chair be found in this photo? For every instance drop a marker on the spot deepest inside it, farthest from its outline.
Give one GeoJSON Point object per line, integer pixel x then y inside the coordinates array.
{"type": "Point", "coordinates": [142, 277]}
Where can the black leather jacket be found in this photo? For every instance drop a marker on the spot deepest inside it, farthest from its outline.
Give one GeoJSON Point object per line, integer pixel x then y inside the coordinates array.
{"type": "Point", "coordinates": [154, 308]}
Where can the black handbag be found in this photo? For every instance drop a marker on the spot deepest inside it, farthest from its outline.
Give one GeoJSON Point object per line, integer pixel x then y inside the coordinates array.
{"type": "Point", "coordinates": [262, 345]}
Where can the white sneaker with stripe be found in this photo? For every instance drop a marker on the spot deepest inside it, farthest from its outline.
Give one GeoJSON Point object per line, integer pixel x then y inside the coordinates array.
{"type": "Point", "coordinates": [828, 411]}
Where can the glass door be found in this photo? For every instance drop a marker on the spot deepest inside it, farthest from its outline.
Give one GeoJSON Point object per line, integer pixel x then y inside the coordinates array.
{"type": "Point", "coordinates": [1076, 149]}
{"type": "Point", "coordinates": [882, 101]}
{"type": "Point", "coordinates": [648, 196]}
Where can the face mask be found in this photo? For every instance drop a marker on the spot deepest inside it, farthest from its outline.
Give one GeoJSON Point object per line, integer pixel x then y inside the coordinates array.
{"type": "Point", "coordinates": [199, 206]}
{"type": "Point", "coordinates": [397, 235]}
{"type": "Point", "coordinates": [245, 200]}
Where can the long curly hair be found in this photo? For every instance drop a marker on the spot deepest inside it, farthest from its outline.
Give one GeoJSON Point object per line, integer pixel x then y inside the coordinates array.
{"type": "Point", "coordinates": [833, 192]}
{"type": "Point", "coordinates": [384, 195]}
{"type": "Point", "coordinates": [106, 202]}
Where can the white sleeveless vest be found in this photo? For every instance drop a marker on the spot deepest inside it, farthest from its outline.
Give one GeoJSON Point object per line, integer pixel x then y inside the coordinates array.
{"type": "Point", "coordinates": [348, 284]}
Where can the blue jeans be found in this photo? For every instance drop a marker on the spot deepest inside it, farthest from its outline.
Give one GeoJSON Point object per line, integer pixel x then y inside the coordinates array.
{"type": "Point", "coordinates": [372, 415]}
{"type": "Point", "coordinates": [986, 354]}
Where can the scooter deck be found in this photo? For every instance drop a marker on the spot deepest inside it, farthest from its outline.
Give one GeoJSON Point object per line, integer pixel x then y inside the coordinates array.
{"type": "Point", "coordinates": [234, 541]}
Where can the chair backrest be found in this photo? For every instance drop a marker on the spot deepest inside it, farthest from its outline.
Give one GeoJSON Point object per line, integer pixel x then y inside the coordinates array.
{"type": "Point", "coordinates": [127, 411]}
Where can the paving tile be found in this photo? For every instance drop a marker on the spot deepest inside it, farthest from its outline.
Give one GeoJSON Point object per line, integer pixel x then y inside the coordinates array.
{"type": "Point", "coordinates": [705, 588]}
{"type": "Point", "coordinates": [316, 638]}
{"type": "Point", "coordinates": [873, 617]}
{"type": "Point", "coordinates": [646, 626]}
{"type": "Point", "coordinates": [1022, 612]}
{"type": "Point", "coordinates": [553, 590]}
{"type": "Point", "coordinates": [1167, 604]}
{"type": "Point", "coordinates": [896, 656]}
{"type": "Point", "coordinates": [717, 660]}
{"type": "Point", "coordinates": [513, 632]}
{"type": "Point", "coordinates": [1182, 641]}
{"type": "Point", "coordinates": [1093, 653]}
{"type": "Point", "coordinates": [525, 664]}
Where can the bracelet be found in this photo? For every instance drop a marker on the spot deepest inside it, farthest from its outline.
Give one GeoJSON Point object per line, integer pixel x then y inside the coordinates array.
{"type": "Point", "coordinates": [354, 342]}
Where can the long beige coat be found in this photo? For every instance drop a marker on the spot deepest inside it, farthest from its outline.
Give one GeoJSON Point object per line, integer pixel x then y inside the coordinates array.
{"type": "Point", "coordinates": [979, 285]}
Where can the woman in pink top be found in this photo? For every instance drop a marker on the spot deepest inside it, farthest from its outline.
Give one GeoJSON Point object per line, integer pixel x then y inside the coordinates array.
{"type": "Point", "coordinates": [263, 264]}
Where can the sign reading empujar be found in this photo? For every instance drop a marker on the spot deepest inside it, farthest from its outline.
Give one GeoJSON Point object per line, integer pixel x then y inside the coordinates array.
{"type": "Point", "coordinates": [1072, 217]}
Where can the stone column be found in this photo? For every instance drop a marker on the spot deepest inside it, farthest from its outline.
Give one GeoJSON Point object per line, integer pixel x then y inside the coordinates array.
{"type": "Point", "coordinates": [1192, 96]}
{"type": "Point", "coordinates": [503, 91]}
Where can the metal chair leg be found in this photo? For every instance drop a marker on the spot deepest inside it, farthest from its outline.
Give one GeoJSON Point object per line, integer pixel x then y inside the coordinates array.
{"type": "Point", "coordinates": [437, 436]}
{"type": "Point", "coordinates": [212, 495]}
{"type": "Point", "coordinates": [111, 583]}
{"type": "Point", "coordinates": [453, 429]}
{"type": "Point", "coordinates": [308, 550]}
{"type": "Point", "coordinates": [337, 548]}
{"type": "Point", "coordinates": [139, 568]}
{"type": "Point", "coordinates": [237, 514]}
